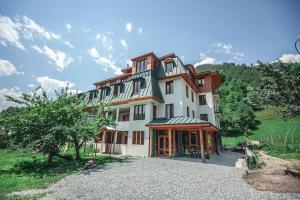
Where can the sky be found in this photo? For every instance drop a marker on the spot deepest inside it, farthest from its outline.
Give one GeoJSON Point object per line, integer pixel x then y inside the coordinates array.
{"type": "Point", "coordinates": [77, 43]}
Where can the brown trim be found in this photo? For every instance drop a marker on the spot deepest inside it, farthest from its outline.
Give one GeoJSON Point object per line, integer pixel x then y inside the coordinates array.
{"type": "Point", "coordinates": [180, 126]}
{"type": "Point", "coordinates": [144, 55]}
{"type": "Point", "coordinates": [170, 55]}
{"type": "Point", "coordinates": [136, 99]}
{"type": "Point", "coordinates": [186, 78]}
{"type": "Point", "coordinates": [112, 79]}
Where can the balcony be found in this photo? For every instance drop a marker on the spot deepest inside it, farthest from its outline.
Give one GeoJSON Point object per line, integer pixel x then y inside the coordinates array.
{"type": "Point", "coordinates": [124, 115]}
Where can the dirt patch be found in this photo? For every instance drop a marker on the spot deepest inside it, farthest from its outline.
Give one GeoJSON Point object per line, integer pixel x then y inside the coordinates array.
{"type": "Point", "coordinates": [273, 176]}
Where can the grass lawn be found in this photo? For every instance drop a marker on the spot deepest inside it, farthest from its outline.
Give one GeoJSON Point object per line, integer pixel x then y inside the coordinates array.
{"type": "Point", "coordinates": [282, 136]}
{"type": "Point", "coordinates": [18, 170]}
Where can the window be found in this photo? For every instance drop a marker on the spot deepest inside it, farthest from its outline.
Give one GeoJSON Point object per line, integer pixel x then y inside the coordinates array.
{"type": "Point", "coordinates": [104, 92]}
{"type": "Point", "coordinates": [116, 90]}
{"type": "Point", "coordinates": [194, 138]}
{"type": "Point", "coordinates": [188, 111]}
{"type": "Point", "coordinates": [169, 87]}
{"type": "Point", "coordinates": [193, 114]}
{"type": "Point", "coordinates": [141, 65]}
{"type": "Point", "coordinates": [202, 100]}
{"type": "Point", "coordinates": [154, 112]}
{"type": "Point", "coordinates": [192, 93]}
{"type": "Point", "coordinates": [187, 91]}
{"type": "Point", "coordinates": [169, 111]}
{"type": "Point", "coordinates": [201, 82]}
{"type": "Point", "coordinates": [137, 86]}
{"type": "Point", "coordinates": [169, 67]}
{"type": "Point", "coordinates": [138, 137]}
{"type": "Point", "coordinates": [204, 117]}
{"type": "Point", "coordinates": [139, 112]}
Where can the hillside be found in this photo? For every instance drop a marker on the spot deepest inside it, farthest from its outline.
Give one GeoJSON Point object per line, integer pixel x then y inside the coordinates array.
{"type": "Point", "coordinates": [281, 136]}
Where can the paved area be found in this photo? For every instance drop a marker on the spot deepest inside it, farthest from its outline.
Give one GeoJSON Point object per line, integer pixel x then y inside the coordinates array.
{"type": "Point", "coordinates": [227, 158]}
{"type": "Point", "coordinates": [159, 179]}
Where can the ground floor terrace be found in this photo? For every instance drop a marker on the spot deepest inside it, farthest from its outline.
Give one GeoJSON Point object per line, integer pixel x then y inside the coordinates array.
{"type": "Point", "coordinates": [175, 137]}
{"type": "Point", "coordinates": [183, 137]}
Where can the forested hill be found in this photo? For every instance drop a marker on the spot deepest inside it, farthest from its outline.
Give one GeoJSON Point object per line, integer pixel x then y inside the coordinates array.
{"type": "Point", "coordinates": [232, 71]}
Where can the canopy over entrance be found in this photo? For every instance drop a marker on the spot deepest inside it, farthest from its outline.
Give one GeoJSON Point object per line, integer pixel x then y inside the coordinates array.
{"type": "Point", "coordinates": [182, 134]}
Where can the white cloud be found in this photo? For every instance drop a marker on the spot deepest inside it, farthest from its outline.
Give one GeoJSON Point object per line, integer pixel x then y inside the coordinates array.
{"type": "Point", "coordinates": [228, 49]}
{"type": "Point", "coordinates": [124, 43]}
{"type": "Point", "coordinates": [9, 32]}
{"type": "Point", "coordinates": [4, 104]}
{"type": "Point", "coordinates": [59, 58]}
{"type": "Point", "coordinates": [128, 27]}
{"type": "Point", "coordinates": [204, 59]}
{"type": "Point", "coordinates": [290, 58]}
{"type": "Point", "coordinates": [86, 29]}
{"type": "Point", "coordinates": [106, 63]}
{"type": "Point", "coordinates": [140, 30]}
{"type": "Point", "coordinates": [98, 36]}
{"type": "Point", "coordinates": [68, 27]}
{"type": "Point", "coordinates": [69, 44]}
{"type": "Point", "coordinates": [7, 68]}
{"type": "Point", "coordinates": [34, 28]}
{"type": "Point", "coordinates": [31, 85]}
{"type": "Point", "coordinates": [50, 84]}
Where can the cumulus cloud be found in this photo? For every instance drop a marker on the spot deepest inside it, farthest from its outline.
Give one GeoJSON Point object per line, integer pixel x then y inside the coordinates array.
{"type": "Point", "coordinates": [34, 28]}
{"type": "Point", "coordinates": [105, 62]}
{"type": "Point", "coordinates": [59, 58]}
{"type": "Point", "coordinates": [205, 59]}
{"type": "Point", "coordinates": [13, 92]}
{"type": "Point", "coordinates": [50, 84]}
{"type": "Point", "coordinates": [228, 49]}
{"type": "Point", "coordinates": [128, 27]}
{"type": "Point", "coordinates": [105, 40]}
{"type": "Point", "coordinates": [68, 27]}
{"type": "Point", "coordinates": [9, 32]}
{"type": "Point", "coordinates": [140, 30]}
{"type": "Point", "coordinates": [124, 43]}
{"type": "Point", "coordinates": [7, 68]}
{"type": "Point", "coordinates": [290, 58]}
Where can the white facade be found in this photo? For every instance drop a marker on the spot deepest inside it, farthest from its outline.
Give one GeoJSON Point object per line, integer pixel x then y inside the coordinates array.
{"type": "Point", "coordinates": [180, 102]}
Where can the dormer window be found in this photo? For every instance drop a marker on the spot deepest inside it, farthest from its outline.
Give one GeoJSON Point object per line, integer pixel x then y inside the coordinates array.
{"type": "Point", "coordinates": [137, 86]}
{"type": "Point", "coordinates": [117, 88]}
{"type": "Point", "coordinates": [169, 66]}
{"type": "Point", "coordinates": [104, 92]}
{"type": "Point", "coordinates": [93, 94]}
{"type": "Point", "coordinates": [201, 82]}
{"type": "Point", "coordinates": [141, 65]}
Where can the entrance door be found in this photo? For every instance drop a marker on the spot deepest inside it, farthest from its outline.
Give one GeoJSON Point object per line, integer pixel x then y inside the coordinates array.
{"type": "Point", "coordinates": [163, 145]}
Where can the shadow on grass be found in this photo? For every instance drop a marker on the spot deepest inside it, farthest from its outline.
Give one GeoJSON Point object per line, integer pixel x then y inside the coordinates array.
{"type": "Point", "coordinates": [39, 168]}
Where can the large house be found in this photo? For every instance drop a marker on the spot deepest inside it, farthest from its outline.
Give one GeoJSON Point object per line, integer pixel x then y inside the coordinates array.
{"type": "Point", "coordinates": [163, 108]}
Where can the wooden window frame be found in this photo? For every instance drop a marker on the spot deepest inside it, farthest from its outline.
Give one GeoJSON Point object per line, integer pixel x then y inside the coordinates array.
{"type": "Point", "coordinates": [202, 100]}
{"type": "Point", "coordinates": [139, 112]}
{"type": "Point", "coordinates": [169, 69]}
{"type": "Point", "coordinates": [141, 65]}
{"type": "Point", "coordinates": [169, 87]}
{"type": "Point", "coordinates": [138, 137]}
{"type": "Point", "coordinates": [201, 82]}
{"type": "Point", "coordinates": [204, 118]}
{"type": "Point", "coordinates": [169, 111]}
{"type": "Point", "coordinates": [137, 84]}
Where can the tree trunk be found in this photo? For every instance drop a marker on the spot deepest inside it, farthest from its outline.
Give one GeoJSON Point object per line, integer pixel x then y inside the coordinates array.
{"type": "Point", "coordinates": [50, 158]}
{"type": "Point", "coordinates": [77, 152]}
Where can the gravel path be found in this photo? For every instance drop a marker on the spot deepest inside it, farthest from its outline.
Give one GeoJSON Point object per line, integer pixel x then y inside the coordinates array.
{"type": "Point", "coordinates": [159, 179]}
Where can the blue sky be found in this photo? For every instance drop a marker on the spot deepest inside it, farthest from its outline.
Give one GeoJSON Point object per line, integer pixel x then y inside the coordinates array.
{"type": "Point", "coordinates": [54, 43]}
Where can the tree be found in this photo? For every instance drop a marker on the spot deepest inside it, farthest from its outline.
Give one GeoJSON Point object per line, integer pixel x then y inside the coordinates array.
{"type": "Point", "coordinates": [82, 124]}
{"type": "Point", "coordinates": [280, 86]}
{"type": "Point", "coordinates": [44, 124]}
{"type": "Point", "coordinates": [35, 125]}
{"type": "Point", "coordinates": [237, 114]}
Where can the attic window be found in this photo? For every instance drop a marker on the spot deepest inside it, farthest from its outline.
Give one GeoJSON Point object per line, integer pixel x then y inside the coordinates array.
{"type": "Point", "coordinates": [105, 92]}
{"type": "Point", "coordinates": [169, 66]}
{"type": "Point", "coordinates": [141, 65]}
{"type": "Point", "coordinates": [201, 82]}
{"type": "Point", "coordinates": [137, 86]}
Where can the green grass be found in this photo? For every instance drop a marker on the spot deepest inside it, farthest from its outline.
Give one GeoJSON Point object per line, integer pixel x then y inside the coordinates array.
{"type": "Point", "coordinates": [282, 137]}
{"type": "Point", "coordinates": [19, 171]}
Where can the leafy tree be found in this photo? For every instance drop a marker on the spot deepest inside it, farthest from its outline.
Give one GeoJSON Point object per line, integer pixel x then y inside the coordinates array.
{"type": "Point", "coordinates": [280, 86]}
{"type": "Point", "coordinates": [237, 114]}
{"type": "Point", "coordinates": [45, 124]}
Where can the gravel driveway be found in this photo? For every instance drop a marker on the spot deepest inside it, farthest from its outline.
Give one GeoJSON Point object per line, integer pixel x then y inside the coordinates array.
{"type": "Point", "coordinates": [159, 179]}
